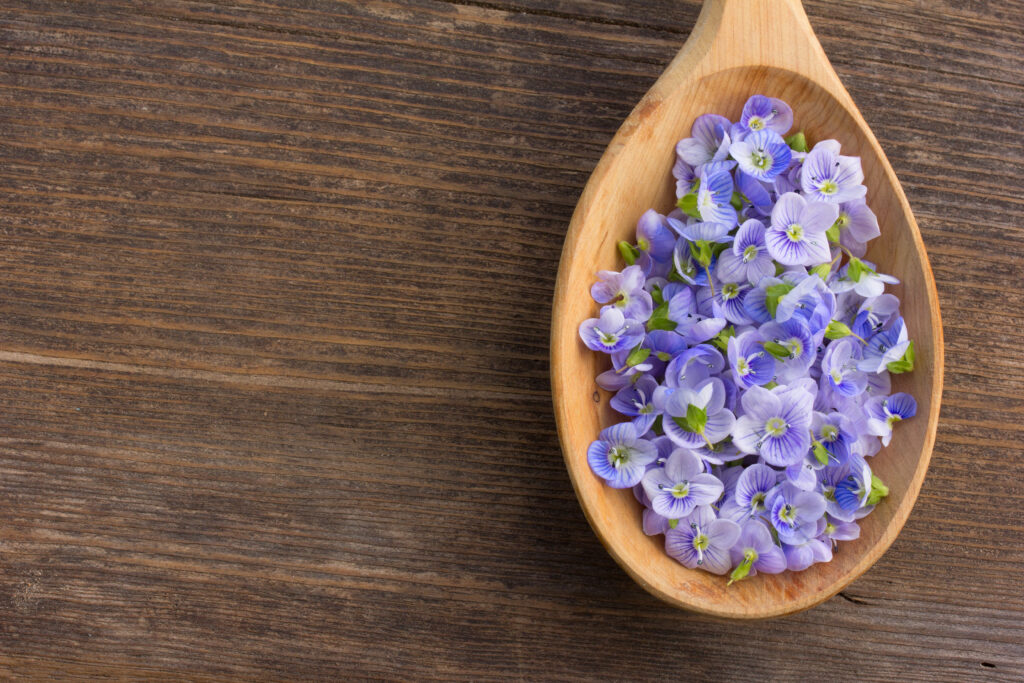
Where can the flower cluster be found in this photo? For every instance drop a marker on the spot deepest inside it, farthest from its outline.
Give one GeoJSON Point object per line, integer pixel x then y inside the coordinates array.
{"type": "Point", "coordinates": [751, 348]}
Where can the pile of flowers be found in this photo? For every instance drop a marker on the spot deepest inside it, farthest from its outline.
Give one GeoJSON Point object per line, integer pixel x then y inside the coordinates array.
{"type": "Point", "coordinates": [751, 347]}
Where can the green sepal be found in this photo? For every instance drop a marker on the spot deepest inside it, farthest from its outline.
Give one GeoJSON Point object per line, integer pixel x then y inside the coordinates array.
{"type": "Point", "coordinates": [736, 200]}
{"type": "Point", "coordinates": [657, 295]}
{"type": "Point", "coordinates": [822, 270]}
{"type": "Point", "coordinates": [673, 523]}
{"type": "Point", "coordinates": [837, 330]}
{"type": "Point", "coordinates": [701, 252]}
{"type": "Point", "coordinates": [774, 293]}
{"type": "Point", "coordinates": [742, 570]}
{"type": "Point", "coordinates": [856, 269]}
{"type": "Point", "coordinates": [628, 252]}
{"type": "Point", "coordinates": [833, 233]}
{"type": "Point", "coordinates": [777, 350]}
{"type": "Point", "coordinates": [779, 269]}
{"type": "Point", "coordinates": [905, 364]}
{"type": "Point", "coordinates": [696, 418]}
{"type": "Point", "coordinates": [637, 356]}
{"type": "Point", "coordinates": [820, 453]}
{"type": "Point", "coordinates": [797, 141]}
{"type": "Point", "coordinates": [721, 340]}
{"type": "Point", "coordinates": [688, 205]}
{"type": "Point", "coordinates": [659, 319]}
{"type": "Point", "coordinates": [770, 385]}
{"type": "Point", "coordinates": [878, 491]}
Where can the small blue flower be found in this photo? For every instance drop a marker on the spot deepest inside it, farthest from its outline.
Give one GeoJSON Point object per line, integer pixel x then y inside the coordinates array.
{"type": "Point", "coordinates": [755, 552]}
{"type": "Point", "coordinates": [885, 347]}
{"type": "Point", "coordinates": [697, 416]}
{"type": "Point", "coordinates": [704, 541]}
{"type": "Point", "coordinates": [714, 196]}
{"type": "Point", "coordinates": [839, 368]}
{"type": "Point", "coordinates": [750, 364]}
{"type": "Point", "coordinates": [794, 513]}
{"type": "Point", "coordinates": [883, 413]}
{"type": "Point", "coordinates": [620, 457]}
{"type": "Point", "coordinates": [637, 401]}
{"type": "Point", "coordinates": [828, 177]}
{"type": "Point", "coordinates": [775, 424]}
{"type": "Point", "coordinates": [797, 235]}
{"type": "Point", "coordinates": [677, 488]}
{"type": "Point", "coordinates": [624, 291]}
{"type": "Point", "coordinates": [763, 155]}
{"type": "Point", "coordinates": [611, 332]}
{"type": "Point", "coordinates": [764, 113]}
{"type": "Point", "coordinates": [748, 259]}
{"type": "Point", "coordinates": [753, 487]}
{"type": "Point", "coordinates": [654, 238]}
{"type": "Point", "coordinates": [709, 141]}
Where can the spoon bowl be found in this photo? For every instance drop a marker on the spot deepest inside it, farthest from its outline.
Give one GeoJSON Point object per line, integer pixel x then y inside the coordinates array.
{"type": "Point", "coordinates": [738, 48]}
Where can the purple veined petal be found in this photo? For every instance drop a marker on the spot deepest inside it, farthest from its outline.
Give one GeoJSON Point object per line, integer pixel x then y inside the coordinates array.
{"type": "Point", "coordinates": [716, 559]}
{"type": "Point", "coordinates": [703, 330]}
{"type": "Point", "coordinates": [621, 433]}
{"type": "Point", "coordinates": [754, 534]}
{"type": "Point", "coordinates": [679, 546]}
{"type": "Point", "coordinates": [802, 475]}
{"type": "Point", "coordinates": [654, 523]}
{"type": "Point", "coordinates": [705, 489]}
{"type": "Point", "coordinates": [723, 533]}
{"type": "Point", "coordinates": [751, 188]}
{"type": "Point", "coordinates": [798, 557]}
{"type": "Point", "coordinates": [901, 405]}
{"type": "Point", "coordinates": [682, 465]}
{"type": "Point", "coordinates": [786, 449]}
{"type": "Point", "coordinates": [667, 504]}
{"type": "Point", "coordinates": [679, 436]}
{"type": "Point", "coordinates": [772, 561]}
{"type": "Point", "coordinates": [760, 268]}
{"type": "Point", "coordinates": [749, 234]}
{"type": "Point", "coordinates": [787, 211]}
{"type": "Point", "coordinates": [761, 404]}
{"type": "Point", "coordinates": [612, 319]}
{"type": "Point", "coordinates": [730, 267]}
{"type": "Point", "coordinates": [786, 251]}
{"type": "Point", "coordinates": [818, 217]}
{"type": "Point", "coordinates": [654, 481]}
{"type": "Point", "coordinates": [706, 136]}
{"type": "Point", "coordinates": [844, 530]}
{"type": "Point", "coordinates": [643, 423]}
{"type": "Point", "coordinates": [756, 479]}
{"type": "Point", "coordinates": [719, 425]}
{"type": "Point", "coordinates": [746, 433]}
{"type": "Point", "coordinates": [862, 224]}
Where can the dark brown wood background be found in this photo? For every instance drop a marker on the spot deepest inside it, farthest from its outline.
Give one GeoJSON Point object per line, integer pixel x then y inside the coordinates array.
{"type": "Point", "coordinates": [275, 283]}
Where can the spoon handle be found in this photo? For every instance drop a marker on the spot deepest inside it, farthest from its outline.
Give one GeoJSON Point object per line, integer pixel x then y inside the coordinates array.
{"type": "Point", "coordinates": [751, 33]}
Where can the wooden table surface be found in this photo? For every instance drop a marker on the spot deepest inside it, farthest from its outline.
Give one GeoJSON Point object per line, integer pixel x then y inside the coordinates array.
{"type": "Point", "coordinates": [275, 290]}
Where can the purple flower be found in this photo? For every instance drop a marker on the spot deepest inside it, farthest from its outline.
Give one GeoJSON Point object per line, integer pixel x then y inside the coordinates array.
{"type": "Point", "coordinates": [829, 177]}
{"type": "Point", "coordinates": [636, 401]}
{"type": "Point", "coordinates": [753, 487]}
{"type": "Point", "coordinates": [857, 225]}
{"type": "Point", "coordinates": [754, 552]}
{"type": "Point", "coordinates": [764, 113]}
{"type": "Point", "coordinates": [681, 485]}
{"type": "Point", "coordinates": [653, 237]}
{"type": "Point", "coordinates": [753, 191]}
{"type": "Point", "coordinates": [620, 457]}
{"type": "Point", "coordinates": [611, 332]}
{"type": "Point", "coordinates": [686, 264]}
{"type": "Point", "coordinates": [750, 364]}
{"type": "Point", "coordinates": [709, 141]}
{"type": "Point", "coordinates": [839, 367]}
{"type": "Point", "coordinates": [852, 493]}
{"type": "Point", "coordinates": [885, 347]}
{"type": "Point", "coordinates": [622, 373]}
{"type": "Point", "coordinates": [714, 196]}
{"type": "Point", "coordinates": [797, 236]}
{"type": "Point", "coordinates": [795, 340]}
{"type": "Point", "coordinates": [685, 177]}
{"type": "Point", "coordinates": [838, 530]}
{"type": "Point", "coordinates": [775, 424]}
{"type": "Point", "coordinates": [883, 413]}
{"type": "Point", "coordinates": [697, 416]}
{"type": "Point", "coordinates": [795, 513]}
{"type": "Point", "coordinates": [748, 259]}
{"type": "Point", "coordinates": [692, 326]}
{"type": "Point", "coordinates": [625, 291]}
{"type": "Point", "coordinates": [829, 478]}
{"type": "Point", "coordinates": [835, 434]}
{"type": "Point", "coordinates": [728, 302]}
{"type": "Point", "coordinates": [704, 541]}
{"type": "Point", "coordinates": [800, 557]}
{"type": "Point", "coordinates": [874, 314]}
{"type": "Point", "coordinates": [762, 155]}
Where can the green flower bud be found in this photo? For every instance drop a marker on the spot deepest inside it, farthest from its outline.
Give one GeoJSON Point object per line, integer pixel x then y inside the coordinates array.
{"type": "Point", "coordinates": [837, 330]}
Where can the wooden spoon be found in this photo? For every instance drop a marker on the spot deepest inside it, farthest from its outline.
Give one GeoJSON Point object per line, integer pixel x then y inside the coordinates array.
{"type": "Point", "coordinates": [738, 48]}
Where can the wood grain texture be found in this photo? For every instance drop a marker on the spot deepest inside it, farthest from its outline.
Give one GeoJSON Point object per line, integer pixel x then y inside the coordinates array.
{"type": "Point", "coordinates": [716, 71]}
{"type": "Point", "coordinates": [275, 283]}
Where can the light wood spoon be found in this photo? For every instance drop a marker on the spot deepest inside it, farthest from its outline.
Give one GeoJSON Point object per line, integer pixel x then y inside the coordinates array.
{"type": "Point", "coordinates": [738, 48]}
